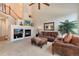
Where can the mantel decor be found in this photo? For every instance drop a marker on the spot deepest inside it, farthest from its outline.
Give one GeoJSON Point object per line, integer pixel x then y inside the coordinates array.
{"type": "Point", "coordinates": [49, 26]}
{"type": "Point", "coordinates": [27, 22]}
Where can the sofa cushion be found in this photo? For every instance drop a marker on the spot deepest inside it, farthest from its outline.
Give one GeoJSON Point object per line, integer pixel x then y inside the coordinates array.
{"type": "Point", "coordinates": [68, 38]}
{"type": "Point", "coordinates": [37, 40]}
{"type": "Point", "coordinates": [40, 39]}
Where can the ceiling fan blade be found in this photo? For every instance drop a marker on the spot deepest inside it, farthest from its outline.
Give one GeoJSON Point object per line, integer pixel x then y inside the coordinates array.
{"type": "Point", "coordinates": [39, 6]}
{"type": "Point", "coordinates": [46, 4]}
{"type": "Point", "coordinates": [31, 4]}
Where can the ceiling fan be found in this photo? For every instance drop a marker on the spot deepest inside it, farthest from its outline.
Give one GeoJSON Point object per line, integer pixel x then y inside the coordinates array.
{"type": "Point", "coordinates": [39, 4]}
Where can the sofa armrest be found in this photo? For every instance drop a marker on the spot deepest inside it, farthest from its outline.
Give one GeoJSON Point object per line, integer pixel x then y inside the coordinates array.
{"type": "Point", "coordinates": [59, 39]}
{"type": "Point", "coordinates": [65, 48]}
{"type": "Point", "coordinates": [66, 45]}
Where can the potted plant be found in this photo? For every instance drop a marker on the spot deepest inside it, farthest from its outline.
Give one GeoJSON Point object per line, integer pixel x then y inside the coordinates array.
{"type": "Point", "coordinates": [67, 26]}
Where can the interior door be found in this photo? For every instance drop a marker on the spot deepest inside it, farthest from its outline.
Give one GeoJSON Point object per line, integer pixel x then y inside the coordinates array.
{"type": "Point", "coordinates": [3, 27]}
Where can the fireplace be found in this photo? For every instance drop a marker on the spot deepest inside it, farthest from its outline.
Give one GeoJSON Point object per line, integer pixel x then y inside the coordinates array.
{"type": "Point", "coordinates": [18, 33]}
{"type": "Point", "coordinates": [27, 32]}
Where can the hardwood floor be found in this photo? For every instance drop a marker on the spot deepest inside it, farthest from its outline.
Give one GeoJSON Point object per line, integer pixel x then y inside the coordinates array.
{"type": "Point", "coordinates": [2, 38]}
{"type": "Point", "coordinates": [23, 48]}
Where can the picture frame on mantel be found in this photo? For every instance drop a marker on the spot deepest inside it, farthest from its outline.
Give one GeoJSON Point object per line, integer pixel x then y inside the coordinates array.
{"type": "Point", "coordinates": [49, 26]}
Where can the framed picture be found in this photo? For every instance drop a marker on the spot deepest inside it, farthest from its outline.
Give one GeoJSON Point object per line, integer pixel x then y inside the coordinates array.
{"type": "Point", "coordinates": [27, 22]}
{"type": "Point", "coordinates": [49, 26]}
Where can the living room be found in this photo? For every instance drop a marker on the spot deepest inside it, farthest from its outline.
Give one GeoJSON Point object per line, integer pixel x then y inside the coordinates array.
{"type": "Point", "coordinates": [37, 22]}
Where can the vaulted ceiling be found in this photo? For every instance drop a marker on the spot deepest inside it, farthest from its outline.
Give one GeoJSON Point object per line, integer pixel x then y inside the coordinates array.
{"type": "Point", "coordinates": [55, 9]}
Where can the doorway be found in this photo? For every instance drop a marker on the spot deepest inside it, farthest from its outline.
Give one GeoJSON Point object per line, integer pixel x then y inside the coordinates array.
{"type": "Point", "coordinates": [3, 29]}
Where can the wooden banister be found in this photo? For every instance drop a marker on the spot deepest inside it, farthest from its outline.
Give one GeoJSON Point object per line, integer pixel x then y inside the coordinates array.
{"type": "Point", "coordinates": [15, 13]}
{"type": "Point", "coordinates": [10, 10]}
{"type": "Point", "coordinates": [2, 6]}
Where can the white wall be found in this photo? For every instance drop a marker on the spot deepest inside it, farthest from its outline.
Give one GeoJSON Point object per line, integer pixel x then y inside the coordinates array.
{"type": "Point", "coordinates": [39, 22]}
{"type": "Point", "coordinates": [70, 17]}
{"type": "Point", "coordinates": [26, 11]}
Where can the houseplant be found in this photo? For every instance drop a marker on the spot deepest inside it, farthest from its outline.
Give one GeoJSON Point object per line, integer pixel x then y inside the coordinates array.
{"type": "Point", "coordinates": [67, 26]}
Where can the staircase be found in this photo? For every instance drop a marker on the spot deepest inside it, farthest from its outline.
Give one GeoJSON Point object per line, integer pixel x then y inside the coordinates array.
{"type": "Point", "coordinates": [8, 17]}
{"type": "Point", "coordinates": [8, 10]}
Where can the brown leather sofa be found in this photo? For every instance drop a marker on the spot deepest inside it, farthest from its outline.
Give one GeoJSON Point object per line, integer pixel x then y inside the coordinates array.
{"type": "Point", "coordinates": [49, 35]}
{"type": "Point", "coordinates": [70, 48]}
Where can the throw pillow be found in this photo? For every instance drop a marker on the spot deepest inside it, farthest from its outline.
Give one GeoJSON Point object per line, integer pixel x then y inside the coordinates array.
{"type": "Point", "coordinates": [68, 38]}
{"type": "Point", "coordinates": [64, 35]}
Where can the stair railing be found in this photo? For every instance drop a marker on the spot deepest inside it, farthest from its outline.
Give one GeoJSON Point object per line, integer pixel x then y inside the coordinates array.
{"type": "Point", "coordinates": [9, 11]}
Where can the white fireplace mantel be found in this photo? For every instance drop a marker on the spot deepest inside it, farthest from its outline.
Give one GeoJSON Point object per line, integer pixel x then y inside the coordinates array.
{"type": "Point", "coordinates": [20, 27]}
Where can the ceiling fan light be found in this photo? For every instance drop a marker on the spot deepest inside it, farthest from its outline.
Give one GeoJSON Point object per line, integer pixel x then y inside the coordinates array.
{"type": "Point", "coordinates": [47, 4]}
{"type": "Point", "coordinates": [30, 16]}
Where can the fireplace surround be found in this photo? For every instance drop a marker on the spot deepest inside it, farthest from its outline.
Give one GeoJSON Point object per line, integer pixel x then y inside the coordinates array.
{"type": "Point", "coordinates": [21, 32]}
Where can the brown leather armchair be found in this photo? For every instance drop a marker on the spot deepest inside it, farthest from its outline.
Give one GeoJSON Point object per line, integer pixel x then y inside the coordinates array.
{"type": "Point", "coordinates": [66, 49]}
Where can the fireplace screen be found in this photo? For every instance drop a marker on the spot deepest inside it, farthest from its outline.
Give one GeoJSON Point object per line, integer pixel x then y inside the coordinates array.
{"type": "Point", "coordinates": [27, 32]}
{"type": "Point", "coordinates": [18, 33]}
